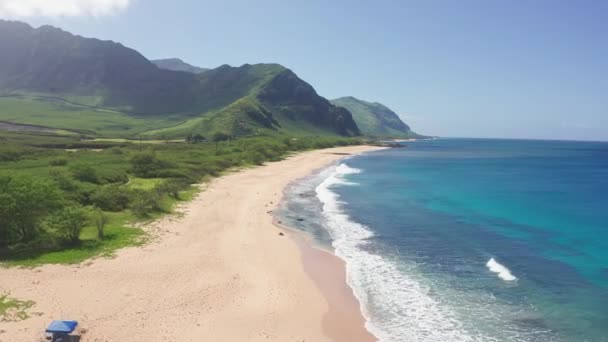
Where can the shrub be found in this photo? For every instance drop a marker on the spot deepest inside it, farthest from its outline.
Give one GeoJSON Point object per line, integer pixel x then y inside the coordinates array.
{"type": "Point", "coordinates": [70, 221]}
{"type": "Point", "coordinates": [85, 173]}
{"type": "Point", "coordinates": [110, 198]}
{"type": "Point", "coordinates": [256, 158]}
{"type": "Point", "coordinates": [112, 177]}
{"type": "Point", "coordinates": [24, 202]}
{"type": "Point", "coordinates": [172, 187]}
{"type": "Point", "coordinates": [220, 136]}
{"type": "Point", "coordinates": [196, 138]}
{"type": "Point", "coordinates": [116, 150]}
{"type": "Point", "coordinates": [147, 165]}
{"type": "Point", "coordinates": [9, 155]}
{"type": "Point", "coordinates": [223, 163]}
{"type": "Point", "coordinates": [59, 162]}
{"type": "Point", "coordinates": [72, 190]}
{"type": "Point", "coordinates": [171, 173]}
{"type": "Point", "coordinates": [101, 219]}
{"type": "Point", "coordinates": [63, 180]}
{"type": "Point", "coordinates": [144, 203]}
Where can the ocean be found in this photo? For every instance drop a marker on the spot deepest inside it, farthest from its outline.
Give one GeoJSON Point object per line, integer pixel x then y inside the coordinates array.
{"type": "Point", "coordinates": [454, 240]}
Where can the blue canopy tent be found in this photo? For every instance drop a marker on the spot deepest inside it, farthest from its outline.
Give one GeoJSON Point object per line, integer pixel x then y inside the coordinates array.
{"type": "Point", "coordinates": [61, 329]}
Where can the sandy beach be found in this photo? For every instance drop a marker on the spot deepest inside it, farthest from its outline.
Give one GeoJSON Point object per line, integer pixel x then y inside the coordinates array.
{"type": "Point", "coordinates": [221, 271]}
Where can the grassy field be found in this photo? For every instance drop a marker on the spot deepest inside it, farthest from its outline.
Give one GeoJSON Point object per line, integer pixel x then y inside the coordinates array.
{"type": "Point", "coordinates": [53, 116]}
{"type": "Point", "coordinates": [77, 119]}
{"type": "Point", "coordinates": [52, 184]}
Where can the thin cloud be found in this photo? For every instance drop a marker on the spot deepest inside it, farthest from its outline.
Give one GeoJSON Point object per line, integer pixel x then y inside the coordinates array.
{"type": "Point", "coordinates": [61, 8]}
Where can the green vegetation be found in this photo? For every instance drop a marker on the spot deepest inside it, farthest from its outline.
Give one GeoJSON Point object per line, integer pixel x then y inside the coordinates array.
{"type": "Point", "coordinates": [93, 137]}
{"type": "Point", "coordinates": [12, 310]}
{"type": "Point", "coordinates": [63, 200]}
{"type": "Point", "coordinates": [104, 89]}
{"type": "Point", "coordinates": [375, 119]}
{"type": "Point", "coordinates": [40, 113]}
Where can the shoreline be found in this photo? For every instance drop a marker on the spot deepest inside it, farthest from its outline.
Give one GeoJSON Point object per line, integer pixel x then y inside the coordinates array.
{"type": "Point", "coordinates": [344, 320]}
{"type": "Point", "coordinates": [220, 271]}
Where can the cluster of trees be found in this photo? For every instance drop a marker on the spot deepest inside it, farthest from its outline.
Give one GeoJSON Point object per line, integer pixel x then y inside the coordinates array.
{"type": "Point", "coordinates": [61, 205]}
{"type": "Point", "coordinates": [24, 203]}
{"type": "Point", "coordinates": [32, 208]}
{"type": "Point", "coordinates": [48, 206]}
{"type": "Point", "coordinates": [29, 206]}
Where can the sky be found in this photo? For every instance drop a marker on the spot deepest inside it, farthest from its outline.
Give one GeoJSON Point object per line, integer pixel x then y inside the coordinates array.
{"type": "Point", "coordinates": [487, 68]}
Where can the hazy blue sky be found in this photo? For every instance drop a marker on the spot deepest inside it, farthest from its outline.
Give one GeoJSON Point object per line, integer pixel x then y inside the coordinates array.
{"type": "Point", "coordinates": [530, 69]}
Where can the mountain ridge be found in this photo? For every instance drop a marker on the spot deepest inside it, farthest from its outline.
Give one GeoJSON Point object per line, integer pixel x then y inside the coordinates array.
{"type": "Point", "coordinates": [104, 74]}
{"type": "Point", "coordinates": [176, 64]}
{"type": "Point", "coordinates": [375, 119]}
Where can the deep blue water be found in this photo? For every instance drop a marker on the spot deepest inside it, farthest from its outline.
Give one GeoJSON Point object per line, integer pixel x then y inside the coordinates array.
{"type": "Point", "coordinates": [417, 227]}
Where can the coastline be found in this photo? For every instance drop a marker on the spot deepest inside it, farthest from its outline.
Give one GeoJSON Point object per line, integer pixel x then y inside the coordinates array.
{"type": "Point", "coordinates": [344, 320]}
{"type": "Point", "coordinates": [221, 272]}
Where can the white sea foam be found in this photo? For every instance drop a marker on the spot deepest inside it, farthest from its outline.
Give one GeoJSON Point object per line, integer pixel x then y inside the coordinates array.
{"type": "Point", "coordinates": [503, 272]}
{"type": "Point", "coordinates": [344, 169]}
{"type": "Point", "coordinates": [396, 306]}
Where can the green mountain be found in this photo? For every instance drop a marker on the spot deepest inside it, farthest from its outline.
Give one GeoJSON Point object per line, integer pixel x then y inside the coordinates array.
{"type": "Point", "coordinates": [375, 119]}
{"type": "Point", "coordinates": [98, 73]}
{"type": "Point", "coordinates": [47, 75]}
{"type": "Point", "coordinates": [177, 64]}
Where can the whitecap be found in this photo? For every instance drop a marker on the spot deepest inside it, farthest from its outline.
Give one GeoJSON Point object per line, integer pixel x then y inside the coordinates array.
{"type": "Point", "coordinates": [502, 272]}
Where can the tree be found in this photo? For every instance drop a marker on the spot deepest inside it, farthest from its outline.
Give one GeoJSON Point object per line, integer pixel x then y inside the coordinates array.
{"type": "Point", "coordinates": [24, 202]}
{"type": "Point", "coordinates": [195, 138]}
{"type": "Point", "coordinates": [101, 219]}
{"type": "Point", "coordinates": [220, 136]}
{"type": "Point", "coordinates": [70, 221]}
{"type": "Point", "coordinates": [198, 138]}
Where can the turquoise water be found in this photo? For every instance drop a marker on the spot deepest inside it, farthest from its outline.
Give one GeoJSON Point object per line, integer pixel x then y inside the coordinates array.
{"type": "Point", "coordinates": [469, 239]}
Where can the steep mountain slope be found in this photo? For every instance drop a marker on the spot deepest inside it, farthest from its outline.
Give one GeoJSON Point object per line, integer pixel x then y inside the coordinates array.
{"type": "Point", "coordinates": [375, 119]}
{"type": "Point", "coordinates": [90, 71]}
{"type": "Point", "coordinates": [177, 64]}
{"type": "Point", "coordinates": [50, 63]}
{"type": "Point", "coordinates": [252, 99]}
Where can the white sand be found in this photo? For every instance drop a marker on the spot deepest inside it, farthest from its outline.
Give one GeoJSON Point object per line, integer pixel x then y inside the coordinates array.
{"type": "Point", "coordinates": [221, 272]}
